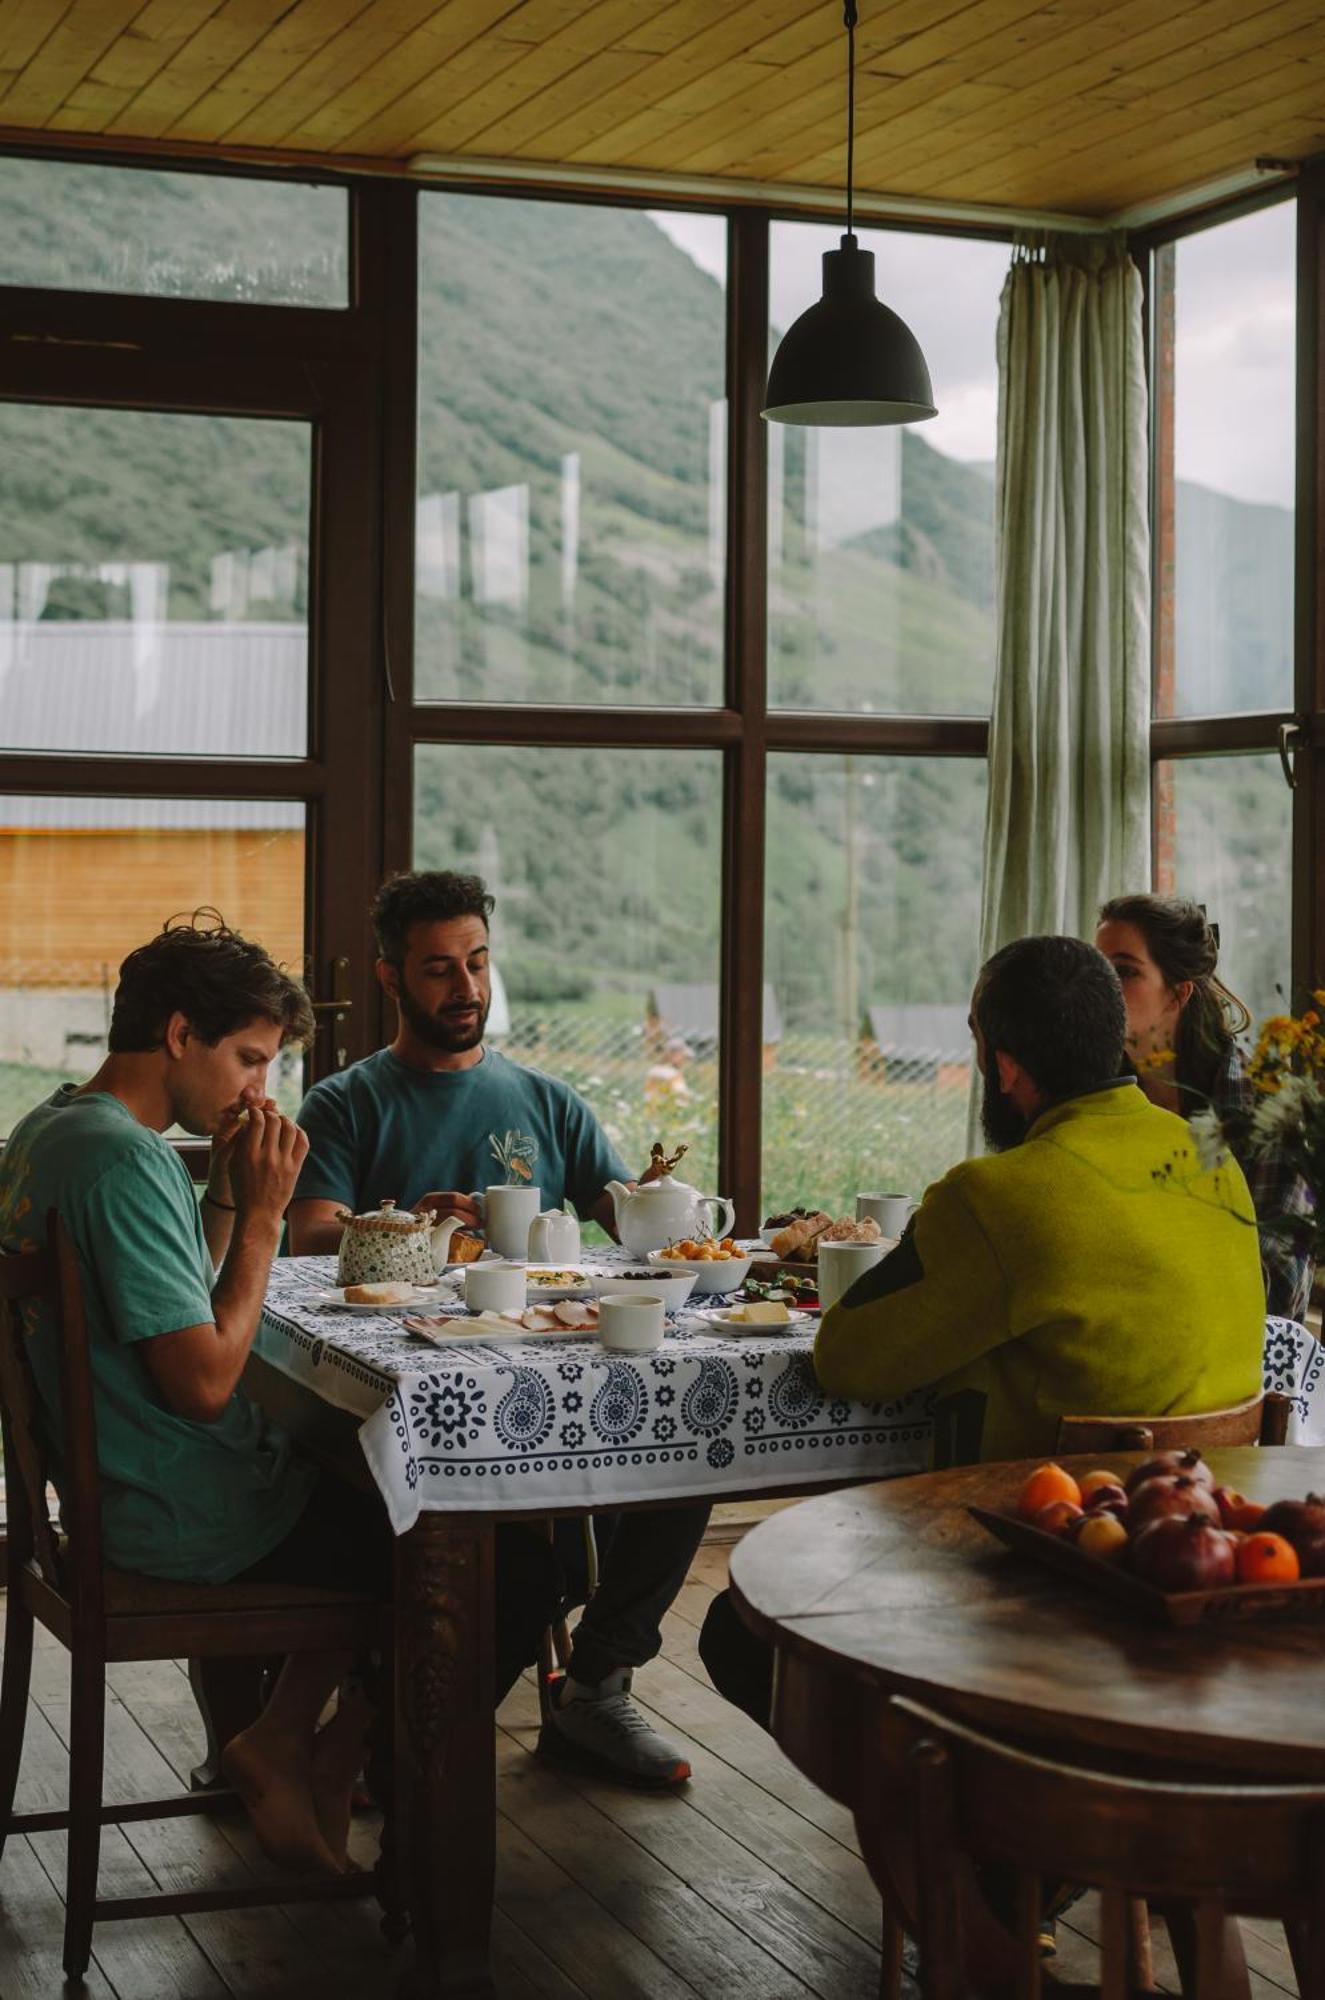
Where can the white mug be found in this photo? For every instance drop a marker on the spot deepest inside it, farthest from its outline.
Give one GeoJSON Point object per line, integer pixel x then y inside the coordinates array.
{"type": "Point", "coordinates": [630, 1322]}
{"type": "Point", "coordinates": [840, 1264]}
{"type": "Point", "coordinates": [554, 1238]}
{"type": "Point", "coordinates": [500, 1288]}
{"type": "Point", "coordinates": [507, 1214]}
{"type": "Point", "coordinates": [892, 1212]}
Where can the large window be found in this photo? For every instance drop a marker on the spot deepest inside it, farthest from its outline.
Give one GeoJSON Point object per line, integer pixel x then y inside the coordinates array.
{"type": "Point", "coordinates": [873, 912]}
{"type": "Point", "coordinates": [572, 454]}
{"type": "Point", "coordinates": [606, 868]}
{"type": "Point", "coordinates": [1223, 304]}
{"type": "Point", "coordinates": [881, 542]}
{"type": "Point", "coordinates": [83, 880]}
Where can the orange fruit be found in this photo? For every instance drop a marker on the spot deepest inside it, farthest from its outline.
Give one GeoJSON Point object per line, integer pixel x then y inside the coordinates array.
{"type": "Point", "coordinates": [1246, 1515]}
{"type": "Point", "coordinates": [1090, 1481]}
{"type": "Point", "coordinates": [1267, 1559]}
{"type": "Point", "coordinates": [1049, 1483]}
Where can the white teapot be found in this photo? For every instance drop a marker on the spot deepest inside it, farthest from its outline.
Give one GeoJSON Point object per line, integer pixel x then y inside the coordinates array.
{"type": "Point", "coordinates": [663, 1211]}
{"type": "Point", "coordinates": [392, 1245]}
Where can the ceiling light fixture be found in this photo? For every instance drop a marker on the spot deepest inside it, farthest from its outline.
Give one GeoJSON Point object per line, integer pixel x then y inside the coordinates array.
{"type": "Point", "coordinates": [849, 359]}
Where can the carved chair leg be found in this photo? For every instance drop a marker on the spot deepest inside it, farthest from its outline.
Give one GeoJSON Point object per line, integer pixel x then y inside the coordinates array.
{"type": "Point", "coordinates": [890, 1955]}
{"type": "Point", "coordinates": [1140, 1959]}
{"type": "Point", "coordinates": [87, 1737]}
{"type": "Point", "coordinates": [13, 1705]}
{"type": "Point", "coordinates": [229, 1694]}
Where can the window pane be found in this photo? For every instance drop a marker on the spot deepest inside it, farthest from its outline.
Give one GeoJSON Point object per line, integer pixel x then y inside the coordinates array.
{"type": "Point", "coordinates": [84, 880]}
{"type": "Point", "coordinates": [1233, 449]}
{"type": "Point", "coordinates": [572, 453]}
{"type": "Point", "coordinates": [606, 868]}
{"type": "Point", "coordinates": [873, 917]}
{"type": "Point", "coordinates": [881, 541]}
{"type": "Point", "coordinates": [153, 582]}
{"type": "Point", "coordinates": [1223, 837]}
{"type": "Point", "coordinates": [74, 227]}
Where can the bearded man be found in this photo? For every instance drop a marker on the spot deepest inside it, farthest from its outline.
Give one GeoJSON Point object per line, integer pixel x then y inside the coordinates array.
{"type": "Point", "coordinates": [429, 1120]}
{"type": "Point", "coordinates": [1089, 1263]}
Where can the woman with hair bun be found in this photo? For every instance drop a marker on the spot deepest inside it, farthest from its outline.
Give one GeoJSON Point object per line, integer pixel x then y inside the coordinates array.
{"type": "Point", "coordinates": [1182, 1030]}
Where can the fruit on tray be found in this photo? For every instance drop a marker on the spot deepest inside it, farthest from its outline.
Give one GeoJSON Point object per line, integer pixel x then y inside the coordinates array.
{"type": "Point", "coordinates": [1184, 1552]}
{"type": "Point", "coordinates": [1049, 1483]}
{"type": "Point", "coordinates": [1301, 1522]}
{"type": "Point", "coordinates": [1174, 1528]}
{"type": "Point", "coordinates": [1171, 1493]}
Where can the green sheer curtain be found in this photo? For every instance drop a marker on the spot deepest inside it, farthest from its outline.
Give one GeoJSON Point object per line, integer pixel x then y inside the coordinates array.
{"type": "Point", "coordinates": [1068, 819]}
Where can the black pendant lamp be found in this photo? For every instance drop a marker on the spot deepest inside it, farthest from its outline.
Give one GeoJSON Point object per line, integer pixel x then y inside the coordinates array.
{"type": "Point", "coordinates": [849, 359]}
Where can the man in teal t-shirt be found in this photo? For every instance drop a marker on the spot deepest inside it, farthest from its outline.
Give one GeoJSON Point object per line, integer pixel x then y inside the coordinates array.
{"type": "Point", "coordinates": [194, 1485]}
{"type": "Point", "coordinates": [427, 1122]}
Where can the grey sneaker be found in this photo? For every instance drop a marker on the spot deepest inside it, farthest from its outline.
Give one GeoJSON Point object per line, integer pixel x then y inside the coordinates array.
{"type": "Point", "coordinates": [602, 1727]}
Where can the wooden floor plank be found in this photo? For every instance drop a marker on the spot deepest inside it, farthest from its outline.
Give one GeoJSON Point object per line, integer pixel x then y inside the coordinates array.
{"type": "Point", "coordinates": [32, 1933]}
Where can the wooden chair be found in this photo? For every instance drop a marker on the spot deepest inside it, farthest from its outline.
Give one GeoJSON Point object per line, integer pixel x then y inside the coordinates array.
{"type": "Point", "coordinates": [951, 1798]}
{"type": "Point", "coordinates": [102, 1615]}
{"type": "Point", "coordinates": [1260, 1420]}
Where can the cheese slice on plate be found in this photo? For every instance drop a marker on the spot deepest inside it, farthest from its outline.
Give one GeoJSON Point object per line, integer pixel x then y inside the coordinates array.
{"type": "Point", "coordinates": [761, 1312]}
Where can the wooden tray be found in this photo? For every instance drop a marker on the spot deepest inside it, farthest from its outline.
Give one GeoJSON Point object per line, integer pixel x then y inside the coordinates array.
{"type": "Point", "coordinates": [1237, 1604]}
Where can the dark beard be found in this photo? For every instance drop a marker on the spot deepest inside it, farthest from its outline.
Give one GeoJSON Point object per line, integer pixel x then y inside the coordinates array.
{"type": "Point", "coordinates": [1000, 1120]}
{"type": "Point", "coordinates": [436, 1030]}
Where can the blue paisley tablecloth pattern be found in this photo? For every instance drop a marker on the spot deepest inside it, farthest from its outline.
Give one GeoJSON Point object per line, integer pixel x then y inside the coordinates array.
{"type": "Point", "coordinates": [561, 1423]}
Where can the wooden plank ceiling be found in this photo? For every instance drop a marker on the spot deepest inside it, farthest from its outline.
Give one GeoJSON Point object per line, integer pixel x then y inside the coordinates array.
{"type": "Point", "coordinates": [1080, 106]}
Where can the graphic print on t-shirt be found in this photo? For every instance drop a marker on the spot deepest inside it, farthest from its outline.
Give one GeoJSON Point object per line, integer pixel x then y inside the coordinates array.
{"type": "Point", "coordinates": [516, 1154]}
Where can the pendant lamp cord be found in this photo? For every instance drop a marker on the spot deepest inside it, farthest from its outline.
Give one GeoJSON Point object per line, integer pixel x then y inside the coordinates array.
{"type": "Point", "coordinates": [850, 18]}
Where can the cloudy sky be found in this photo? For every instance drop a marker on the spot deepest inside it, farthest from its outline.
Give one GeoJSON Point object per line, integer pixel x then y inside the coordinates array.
{"type": "Point", "coordinates": [1234, 414]}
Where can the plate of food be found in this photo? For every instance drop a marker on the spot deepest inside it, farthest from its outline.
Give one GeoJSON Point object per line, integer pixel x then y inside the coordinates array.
{"type": "Point", "coordinates": [567, 1319]}
{"type": "Point", "coordinates": [794, 1238]}
{"type": "Point", "coordinates": [758, 1317]}
{"type": "Point", "coordinates": [672, 1287]}
{"type": "Point", "coordinates": [467, 1246]}
{"type": "Point", "coordinates": [718, 1265]}
{"type": "Point", "coordinates": [547, 1283]}
{"type": "Point", "coordinates": [385, 1297]}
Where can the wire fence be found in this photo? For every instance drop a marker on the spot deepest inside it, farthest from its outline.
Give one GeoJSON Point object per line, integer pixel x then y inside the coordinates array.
{"type": "Point", "coordinates": [838, 1117]}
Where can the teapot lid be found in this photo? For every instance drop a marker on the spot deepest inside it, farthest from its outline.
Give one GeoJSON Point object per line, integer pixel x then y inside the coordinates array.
{"type": "Point", "coordinates": [395, 1221]}
{"type": "Point", "coordinates": [665, 1184]}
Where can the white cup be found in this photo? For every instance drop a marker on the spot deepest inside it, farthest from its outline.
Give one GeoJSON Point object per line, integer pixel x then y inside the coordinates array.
{"type": "Point", "coordinates": [500, 1288]}
{"type": "Point", "coordinates": [507, 1214]}
{"type": "Point", "coordinates": [554, 1238]}
{"type": "Point", "coordinates": [892, 1212]}
{"type": "Point", "coordinates": [840, 1264]}
{"type": "Point", "coordinates": [630, 1322]}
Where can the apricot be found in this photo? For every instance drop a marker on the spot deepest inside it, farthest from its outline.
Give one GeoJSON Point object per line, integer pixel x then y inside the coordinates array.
{"type": "Point", "coordinates": [1056, 1517]}
{"type": "Point", "coordinates": [1102, 1534]}
{"type": "Point", "coordinates": [1090, 1480]}
{"type": "Point", "coordinates": [1049, 1483]}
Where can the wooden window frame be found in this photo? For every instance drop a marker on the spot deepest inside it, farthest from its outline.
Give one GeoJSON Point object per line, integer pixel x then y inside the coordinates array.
{"type": "Point", "coordinates": [1173, 738]}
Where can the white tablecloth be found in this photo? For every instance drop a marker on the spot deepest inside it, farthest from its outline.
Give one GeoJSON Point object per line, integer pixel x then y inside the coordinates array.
{"type": "Point", "coordinates": [559, 1422]}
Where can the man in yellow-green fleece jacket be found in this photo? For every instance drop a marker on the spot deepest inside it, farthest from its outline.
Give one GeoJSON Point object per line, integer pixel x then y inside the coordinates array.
{"type": "Point", "coordinates": [1089, 1264]}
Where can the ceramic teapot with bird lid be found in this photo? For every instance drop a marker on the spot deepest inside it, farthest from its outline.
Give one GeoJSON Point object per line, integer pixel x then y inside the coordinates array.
{"type": "Point", "coordinates": [393, 1245]}
{"type": "Point", "coordinates": [662, 1211]}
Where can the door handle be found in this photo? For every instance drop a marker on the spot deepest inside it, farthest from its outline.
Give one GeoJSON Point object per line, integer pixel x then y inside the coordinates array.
{"type": "Point", "coordinates": [1291, 738]}
{"type": "Point", "coordinates": [337, 1008]}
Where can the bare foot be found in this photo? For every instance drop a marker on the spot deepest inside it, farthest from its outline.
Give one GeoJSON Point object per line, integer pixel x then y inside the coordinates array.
{"type": "Point", "coordinates": [279, 1802]}
{"type": "Point", "coordinates": [338, 1755]}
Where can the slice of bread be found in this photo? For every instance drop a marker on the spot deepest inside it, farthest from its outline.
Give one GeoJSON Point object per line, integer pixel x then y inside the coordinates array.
{"type": "Point", "coordinates": [392, 1294]}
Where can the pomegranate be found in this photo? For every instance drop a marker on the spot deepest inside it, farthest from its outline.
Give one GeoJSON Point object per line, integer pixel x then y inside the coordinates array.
{"type": "Point", "coordinates": [1185, 1554]}
{"type": "Point", "coordinates": [1164, 1462]}
{"type": "Point", "coordinates": [1301, 1522]}
{"type": "Point", "coordinates": [1090, 1480]}
{"type": "Point", "coordinates": [1235, 1510]}
{"type": "Point", "coordinates": [1171, 1493]}
{"type": "Point", "coordinates": [1111, 1498]}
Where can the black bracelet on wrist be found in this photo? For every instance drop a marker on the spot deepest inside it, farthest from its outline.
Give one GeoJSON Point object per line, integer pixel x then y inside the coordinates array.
{"type": "Point", "coordinates": [228, 1206]}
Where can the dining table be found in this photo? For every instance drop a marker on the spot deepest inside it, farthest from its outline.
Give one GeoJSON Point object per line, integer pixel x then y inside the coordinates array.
{"type": "Point", "coordinates": [896, 1589]}
{"type": "Point", "coordinates": [453, 1435]}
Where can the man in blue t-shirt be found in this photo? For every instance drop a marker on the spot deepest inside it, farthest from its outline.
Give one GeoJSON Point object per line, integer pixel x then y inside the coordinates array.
{"type": "Point", "coordinates": [428, 1121]}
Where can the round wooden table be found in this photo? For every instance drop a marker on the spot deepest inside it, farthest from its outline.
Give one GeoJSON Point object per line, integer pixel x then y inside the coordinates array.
{"type": "Point", "coordinates": [894, 1588]}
